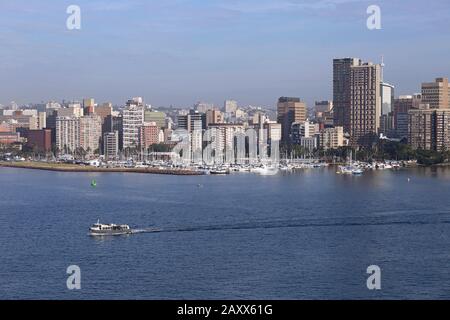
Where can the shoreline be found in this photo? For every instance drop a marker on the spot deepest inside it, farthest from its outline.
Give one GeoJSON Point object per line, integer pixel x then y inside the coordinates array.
{"type": "Point", "coordinates": [62, 167]}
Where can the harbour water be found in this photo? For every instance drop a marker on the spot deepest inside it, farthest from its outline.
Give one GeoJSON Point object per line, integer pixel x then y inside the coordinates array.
{"type": "Point", "coordinates": [305, 235]}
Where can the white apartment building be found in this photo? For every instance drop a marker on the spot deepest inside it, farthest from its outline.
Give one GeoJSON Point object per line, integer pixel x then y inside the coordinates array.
{"type": "Point", "coordinates": [133, 119]}
{"type": "Point", "coordinates": [67, 134]}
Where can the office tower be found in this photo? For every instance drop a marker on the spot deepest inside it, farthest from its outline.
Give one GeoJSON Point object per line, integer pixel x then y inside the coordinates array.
{"type": "Point", "coordinates": [155, 116]}
{"type": "Point", "coordinates": [230, 106]}
{"type": "Point", "coordinates": [289, 110]}
{"type": "Point", "coordinates": [429, 129]}
{"type": "Point", "coordinates": [331, 138]}
{"type": "Point", "coordinates": [365, 104]}
{"type": "Point", "coordinates": [111, 144]}
{"type": "Point", "coordinates": [67, 134]}
{"type": "Point", "coordinates": [342, 91]}
{"type": "Point", "coordinates": [148, 135]}
{"type": "Point", "coordinates": [133, 118]}
{"type": "Point", "coordinates": [387, 105]}
{"type": "Point", "coordinates": [402, 105]}
{"type": "Point", "coordinates": [214, 117]}
{"type": "Point", "coordinates": [90, 133]}
{"type": "Point", "coordinates": [436, 94]}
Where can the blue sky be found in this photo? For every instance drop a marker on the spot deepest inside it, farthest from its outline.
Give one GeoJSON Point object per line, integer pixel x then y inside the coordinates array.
{"type": "Point", "coordinates": [177, 52]}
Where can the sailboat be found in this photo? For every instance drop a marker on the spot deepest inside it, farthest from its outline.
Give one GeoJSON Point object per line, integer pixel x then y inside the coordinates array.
{"type": "Point", "coordinates": [350, 168]}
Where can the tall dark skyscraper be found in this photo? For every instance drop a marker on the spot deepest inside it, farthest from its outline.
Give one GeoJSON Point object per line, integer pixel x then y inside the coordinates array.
{"type": "Point", "coordinates": [342, 91]}
{"type": "Point", "coordinates": [357, 99]}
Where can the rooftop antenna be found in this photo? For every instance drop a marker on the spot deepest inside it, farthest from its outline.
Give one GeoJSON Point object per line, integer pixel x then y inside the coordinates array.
{"type": "Point", "coordinates": [382, 68]}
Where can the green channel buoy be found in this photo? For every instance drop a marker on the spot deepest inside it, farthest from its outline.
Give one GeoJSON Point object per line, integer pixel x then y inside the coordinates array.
{"type": "Point", "coordinates": [93, 183]}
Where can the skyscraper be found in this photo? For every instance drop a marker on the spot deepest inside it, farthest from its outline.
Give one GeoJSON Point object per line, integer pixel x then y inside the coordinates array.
{"type": "Point", "coordinates": [342, 91]}
{"type": "Point", "coordinates": [429, 129]}
{"type": "Point", "coordinates": [133, 118]}
{"type": "Point", "coordinates": [365, 103]}
{"type": "Point", "coordinates": [67, 134]}
{"type": "Point", "coordinates": [289, 110]}
{"type": "Point", "coordinates": [90, 133]}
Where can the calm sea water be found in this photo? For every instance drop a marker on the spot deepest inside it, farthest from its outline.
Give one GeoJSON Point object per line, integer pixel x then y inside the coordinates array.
{"type": "Point", "coordinates": [308, 235]}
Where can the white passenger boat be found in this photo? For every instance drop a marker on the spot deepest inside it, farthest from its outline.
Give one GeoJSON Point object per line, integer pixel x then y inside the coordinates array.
{"type": "Point", "coordinates": [99, 229]}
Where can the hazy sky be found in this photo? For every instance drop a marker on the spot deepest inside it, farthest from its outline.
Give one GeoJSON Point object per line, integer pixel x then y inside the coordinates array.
{"type": "Point", "coordinates": [182, 51]}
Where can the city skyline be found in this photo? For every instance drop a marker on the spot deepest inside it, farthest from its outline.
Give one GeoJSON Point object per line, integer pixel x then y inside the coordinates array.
{"type": "Point", "coordinates": [181, 52]}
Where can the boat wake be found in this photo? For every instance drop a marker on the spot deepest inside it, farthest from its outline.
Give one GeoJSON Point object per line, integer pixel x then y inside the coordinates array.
{"type": "Point", "coordinates": [439, 219]}
{"type": "Point", "coordinates": [146, 230]}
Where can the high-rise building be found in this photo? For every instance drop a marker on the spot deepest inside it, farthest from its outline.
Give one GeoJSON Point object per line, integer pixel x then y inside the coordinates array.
{"type": "Point", "coordinates": [133, 118]}
{"type": "Point", "coordinates": [402, 105]}
{"type": "Point", "coordinates": [365, 104]}
{"type": "Point", "coordinates": [429, 129]}
{"type": "Point", "coordinates": [342, 91]}
{"type": "Point", "coordinates": [67, 134]}
{"type": "Point", "coordinates": [90, 133]}
{"type": "Point", "coordinates": [111, 144]}
{"type": "Point", "coordinates": [289, 110]}
{"type": "Point", "coordinates": [436, 94]}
